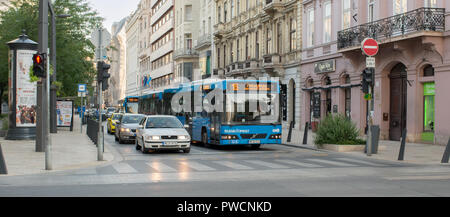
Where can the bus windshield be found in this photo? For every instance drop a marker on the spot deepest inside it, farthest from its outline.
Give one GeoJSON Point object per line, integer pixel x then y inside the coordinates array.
{"type": "Point", "coordinates": [132, 107]}
{"type": "Point", "coordinates": [250, 109]}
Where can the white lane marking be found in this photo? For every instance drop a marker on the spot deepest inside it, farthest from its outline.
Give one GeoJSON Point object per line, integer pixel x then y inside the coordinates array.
{"type": "Point", "coordinates": [267, 164]}
{"type": "Point", "coordinates": [122, 168]}
{"type": "Point", "coordinates": [301, 164]}
{"type": "Point", "coordinates": [360, 161]}
{"type": "Point", "coordinates": [161, 167]}
{"type": "Point", "coordinates": [334, 163]}
{"type": "Point", "coordinates": [233, 165]}
{"type": "Point", "coordinates": [197, 166]}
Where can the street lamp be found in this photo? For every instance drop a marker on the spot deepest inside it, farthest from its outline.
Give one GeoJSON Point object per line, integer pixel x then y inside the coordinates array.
{"type": "Point", "coordinates": [53, 121]}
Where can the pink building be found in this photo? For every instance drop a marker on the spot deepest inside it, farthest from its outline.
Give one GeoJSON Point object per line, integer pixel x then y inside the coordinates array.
{"type": "Point", "coordinates": [412, 68]}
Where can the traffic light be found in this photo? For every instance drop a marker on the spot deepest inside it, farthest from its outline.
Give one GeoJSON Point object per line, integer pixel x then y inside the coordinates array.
{"type": "Point", "coordinates": [103, 75]}
{"type": "Point", "coordinates": [368, 80]}
{"type": "Point", "coordinates": [39, 65]}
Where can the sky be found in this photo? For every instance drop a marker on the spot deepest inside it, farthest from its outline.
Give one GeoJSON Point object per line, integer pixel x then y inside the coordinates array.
{"type": "Point", "coordinates": [113, 10]}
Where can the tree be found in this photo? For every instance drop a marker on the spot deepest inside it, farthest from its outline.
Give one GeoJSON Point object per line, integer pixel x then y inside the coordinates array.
{"type": "Point", "coordinates": [74, 51]}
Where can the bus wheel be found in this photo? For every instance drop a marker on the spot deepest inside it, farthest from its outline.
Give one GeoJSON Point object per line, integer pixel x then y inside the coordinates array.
{"type": "Point", "coordinates": [256, 146]}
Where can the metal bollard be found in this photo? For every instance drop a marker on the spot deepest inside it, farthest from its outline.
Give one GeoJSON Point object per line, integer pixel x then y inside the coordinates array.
{"type": "Point", "coordinates": [3, 169]}
{"type": "Point", "coordinates": [290, 131]}
{"type": "Point", "coordinates": [305, 136]}
{"type": "Point", "coordinates": [401, 155]}
{"type": "Point", "coordinates": [446, 156]}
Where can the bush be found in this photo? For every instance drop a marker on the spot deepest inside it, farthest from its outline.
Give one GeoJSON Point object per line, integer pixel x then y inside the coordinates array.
{"type": "Point", "coordinates": [5, 123]}
{"type": "Point", "coordinates": [339, 130]}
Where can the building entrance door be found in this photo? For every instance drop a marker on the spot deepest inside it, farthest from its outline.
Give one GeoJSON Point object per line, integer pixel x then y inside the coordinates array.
{"type": "Point", "coordinates": [398, 95]}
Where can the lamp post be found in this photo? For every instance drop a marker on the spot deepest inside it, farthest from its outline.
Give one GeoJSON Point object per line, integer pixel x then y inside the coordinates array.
{"type": "Point", "coordinates": [53, 121]}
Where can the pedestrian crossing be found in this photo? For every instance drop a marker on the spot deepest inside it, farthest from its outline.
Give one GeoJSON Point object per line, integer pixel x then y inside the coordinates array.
{"type": "Point", "coordinates": [186, 165]}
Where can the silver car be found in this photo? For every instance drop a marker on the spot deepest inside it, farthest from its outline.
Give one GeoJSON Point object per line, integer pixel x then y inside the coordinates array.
{"type": "Point", "coordinates": [126, 127]}
{"type": "Point", "coordinates": [161, 132]}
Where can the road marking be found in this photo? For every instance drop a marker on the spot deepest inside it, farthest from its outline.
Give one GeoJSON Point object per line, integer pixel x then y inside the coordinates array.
{"type": "Point", "coordinates": [233, 165]}
{"type": "Point", "coordinates": [162, 168]}
{"type": "Point", "coordinates": [360, 161]}
{"type": "Point", "coordinates": [292, 162]}
{"type": "Point", "coordinates": [267, 164]}
{"type": "Point", "coordinates": [444, 177]}
{"type": "Point", "coordinates": [197, 166]}
{"type": "Point", "coordinates": [122, 168]}
{"type": "Point", "coordinates": [334, 163]}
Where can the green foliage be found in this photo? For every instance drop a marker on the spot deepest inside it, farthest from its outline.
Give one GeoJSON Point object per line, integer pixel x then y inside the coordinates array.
{"type": "Point", "coordinates": [339, 130]}
{"type": "Point", "coordinates": [5, 122]}
{"type": "Point", "coordinates": [74, 50]}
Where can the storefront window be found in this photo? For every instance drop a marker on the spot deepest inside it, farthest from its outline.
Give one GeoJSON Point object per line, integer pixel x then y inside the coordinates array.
{"type": "Point", "coordinates": [348, 102]}
{"type": "Point", "coordinates": [429, 109]}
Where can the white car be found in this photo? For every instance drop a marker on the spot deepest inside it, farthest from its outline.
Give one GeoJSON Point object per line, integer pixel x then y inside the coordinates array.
{"type": "Point", "coordinates": [161, 132]}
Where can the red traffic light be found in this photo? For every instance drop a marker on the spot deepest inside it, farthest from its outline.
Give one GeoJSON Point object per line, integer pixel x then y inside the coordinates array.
{"type": "Point", "coordinates": [37, 58]}
{"type": "Point", "coordinates": [39, 68]}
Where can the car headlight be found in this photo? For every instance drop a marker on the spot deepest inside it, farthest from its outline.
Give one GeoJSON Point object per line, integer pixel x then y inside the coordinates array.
{"type": "Point", "coordinates": [183, 137]}
{"type": "Point", "coordinates": [125, 130]}
{"type": "Point", "coordinates": [149, 138]}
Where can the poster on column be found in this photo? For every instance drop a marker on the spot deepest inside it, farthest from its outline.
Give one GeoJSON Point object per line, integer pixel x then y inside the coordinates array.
{"type": "Point", "coordinates": [26, 91]}
{"type": "Point", "coordinates": [64, 113]}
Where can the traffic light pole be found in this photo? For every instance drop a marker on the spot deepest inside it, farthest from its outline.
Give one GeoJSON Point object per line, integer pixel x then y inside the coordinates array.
{"type": "Point", "coordinates": [100, 103]}
{"type": "Point", "coordinates": [370, 119]}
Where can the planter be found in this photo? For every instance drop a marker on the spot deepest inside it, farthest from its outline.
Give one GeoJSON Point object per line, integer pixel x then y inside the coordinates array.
{"type": "Point", "coordinates": [347, 148]}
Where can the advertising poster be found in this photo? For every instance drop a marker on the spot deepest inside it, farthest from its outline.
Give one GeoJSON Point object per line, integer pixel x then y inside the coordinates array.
{"type": "Point", "coordinates": [26, 91]}
{"type": "Point", "coordinates": [64, 113]}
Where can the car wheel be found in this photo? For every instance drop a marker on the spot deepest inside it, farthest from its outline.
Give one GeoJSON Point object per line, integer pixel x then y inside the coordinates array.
{"type": "Point", "coordinates": [187, 151]}
{"type": "Point", "coordinates": [120, 140]}
{"type": "Point", "coordinates": [145, 150]}
{"type": "Point", "coordinates": [137, 145]}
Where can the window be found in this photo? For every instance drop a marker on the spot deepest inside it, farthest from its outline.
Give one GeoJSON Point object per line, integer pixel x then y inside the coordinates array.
{"type": "Point", "coordinates": [400, 6]}
{"type": "Point", "coordinates": [225, 12]}
{"type": "Point", "coordinates": [292, 38]}
{"type": "Point", "coordinates": [371, 11]}
{"type": "Point", "coordinates": [232, 8]}
{"type": "Point", "coordinates": [268, 41]}
{"type": "Point", "coordinates": [279, 39]}
{"type": "Point", "coordinates": [430, 3]}
{"type": "Point", "coordinates": [327, 22]}
{"type": "Point", "coordinates": [310, 28]}
{"type": "Point", "coordinates": [346, 14]}
{"type": "Point", "coordinates": [428, 71]}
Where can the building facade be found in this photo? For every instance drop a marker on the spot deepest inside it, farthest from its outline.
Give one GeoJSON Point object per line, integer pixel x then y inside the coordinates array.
{"type": "Point", "coordinates": [117, 58]}
{"type": "Point", "coordinates": [186, 31]}
{"type": "Point", "coordinates": [261, 39]}
{"type": "Point", "coordinates": [204, 41]}
{"type": "Point", "coordinates": [132, 61]}
{"type": "Point", "coordinates": [412, 65]}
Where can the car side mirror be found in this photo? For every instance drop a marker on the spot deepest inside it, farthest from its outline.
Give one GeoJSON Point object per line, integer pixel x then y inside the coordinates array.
{"type": "Point", "coordinates": [186, 126]}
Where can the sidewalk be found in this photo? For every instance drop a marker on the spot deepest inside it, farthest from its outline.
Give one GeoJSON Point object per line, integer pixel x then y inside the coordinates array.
{"type": "Point", "coordinates": [71, 150]}
{"type": "Point", "coordinates": [414, 152]}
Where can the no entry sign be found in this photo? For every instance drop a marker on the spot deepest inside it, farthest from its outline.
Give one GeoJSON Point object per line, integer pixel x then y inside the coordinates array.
{"type": "Point", "coordinates": [370, 47]}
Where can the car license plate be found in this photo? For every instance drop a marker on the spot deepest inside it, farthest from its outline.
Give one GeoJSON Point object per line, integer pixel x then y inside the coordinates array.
{"type": "Point", "coordinates": [255, 142]}
{"type": "Point", "coordinates": [170, 143]}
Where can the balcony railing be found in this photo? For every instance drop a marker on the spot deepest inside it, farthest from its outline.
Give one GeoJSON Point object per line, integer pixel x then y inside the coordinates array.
{"type": "Point", "coordinates": [422, 19]}
{"type": "Point", "coordinates": [204, 40]}
{"type": "Point", "coordinates": [185, 53]}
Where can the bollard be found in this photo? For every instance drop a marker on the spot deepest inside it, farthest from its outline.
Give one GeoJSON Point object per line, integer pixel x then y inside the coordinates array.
{"type": "Point", "coordinates": [401, 155]}
{"type": "Point", "coordinates": [305, 136]}
{"type": "Point", "coordinates": [3, 169]}
{"type": "Point", "coordinates": [446, 156]}
{"type": "Point", "coordinates": [290, 131]}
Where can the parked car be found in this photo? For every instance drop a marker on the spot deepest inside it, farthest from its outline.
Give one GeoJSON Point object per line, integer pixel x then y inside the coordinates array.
{"type": "Point", "coordinates": [162, 132]}
{"type": "Point", "coordinates": [126, 127]}
{"type": "Point", "coordinates": [112, 122]}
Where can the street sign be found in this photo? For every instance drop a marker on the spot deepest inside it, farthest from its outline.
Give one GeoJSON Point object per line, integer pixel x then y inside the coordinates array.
{"type": "Point", "coordinates": [370, 47]}
{"type": "Point", "coordinates": [82, 88]}
{"type": "Point", "coordinates": [370, 62]}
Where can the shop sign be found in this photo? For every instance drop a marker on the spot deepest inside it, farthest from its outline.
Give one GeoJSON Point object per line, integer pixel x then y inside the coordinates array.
{"type": "Point", "coordinates": [325, 66]}
{"type": "Point", "coordinates": [316, 105]}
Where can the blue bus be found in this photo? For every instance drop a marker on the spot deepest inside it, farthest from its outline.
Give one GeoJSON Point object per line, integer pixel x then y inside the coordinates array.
{"type": "Point", "coordinates": [250, 114]}
{"type": "Point", "coordinates": [151, 103]}
{"type": "Point", "coordinates": [131, 104]}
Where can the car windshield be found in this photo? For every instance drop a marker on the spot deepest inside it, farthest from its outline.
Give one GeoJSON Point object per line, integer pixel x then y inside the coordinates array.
{"type": "Point", "coordinates": [163, 122]}
{"type": "Point", "coordinates": [132, 119]}
{"type": "Point", "coordinates": [116, 117]}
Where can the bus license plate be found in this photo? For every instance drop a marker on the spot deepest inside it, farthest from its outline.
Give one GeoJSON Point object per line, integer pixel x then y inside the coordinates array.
{"type": "Point", "coordinates": [255, 141]}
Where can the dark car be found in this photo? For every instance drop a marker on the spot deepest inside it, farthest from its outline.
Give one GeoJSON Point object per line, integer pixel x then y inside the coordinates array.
{"type": "Point", "coordinates": [126, 127]}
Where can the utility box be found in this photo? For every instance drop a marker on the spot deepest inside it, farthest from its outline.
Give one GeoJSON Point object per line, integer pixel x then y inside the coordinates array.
{"type": "Point", "coordinates": [375, 139]}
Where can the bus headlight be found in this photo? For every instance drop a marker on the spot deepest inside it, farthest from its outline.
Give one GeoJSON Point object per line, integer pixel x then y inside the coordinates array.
{"type": "Point", "coordinates": [276, 136]}
{"type": "Point", "coordinates": [229, 137]}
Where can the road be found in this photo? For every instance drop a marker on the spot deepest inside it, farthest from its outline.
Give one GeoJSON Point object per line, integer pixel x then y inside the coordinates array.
{"type": "Point", "coordinates": [273, 170]}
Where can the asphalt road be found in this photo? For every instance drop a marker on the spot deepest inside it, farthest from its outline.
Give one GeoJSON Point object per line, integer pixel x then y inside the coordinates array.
{"type": "Point", "coordinates": [273, 170]}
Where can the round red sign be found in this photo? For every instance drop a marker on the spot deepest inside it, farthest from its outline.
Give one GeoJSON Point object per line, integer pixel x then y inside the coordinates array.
{"type": "Point", "coordinates": [370, 47]}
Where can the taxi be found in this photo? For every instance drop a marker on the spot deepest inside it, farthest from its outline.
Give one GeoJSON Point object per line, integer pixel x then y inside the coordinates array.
{"type": "Point", "coordinates": [112, 122]}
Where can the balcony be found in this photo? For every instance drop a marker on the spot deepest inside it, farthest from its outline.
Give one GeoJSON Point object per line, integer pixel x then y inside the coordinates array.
{"type": "Point", "coordinates": [273, 6]}
{"type": "Point", "coordinates": [203, 41]}
{"type": "Point", "coordinates": [416, 23]}
{"type": "Point", "coordinates": [271, 60]}
{"type": "Point", "coordinates": [185, 53]}
{"type": "Point", "coordinates": [219, 30]}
